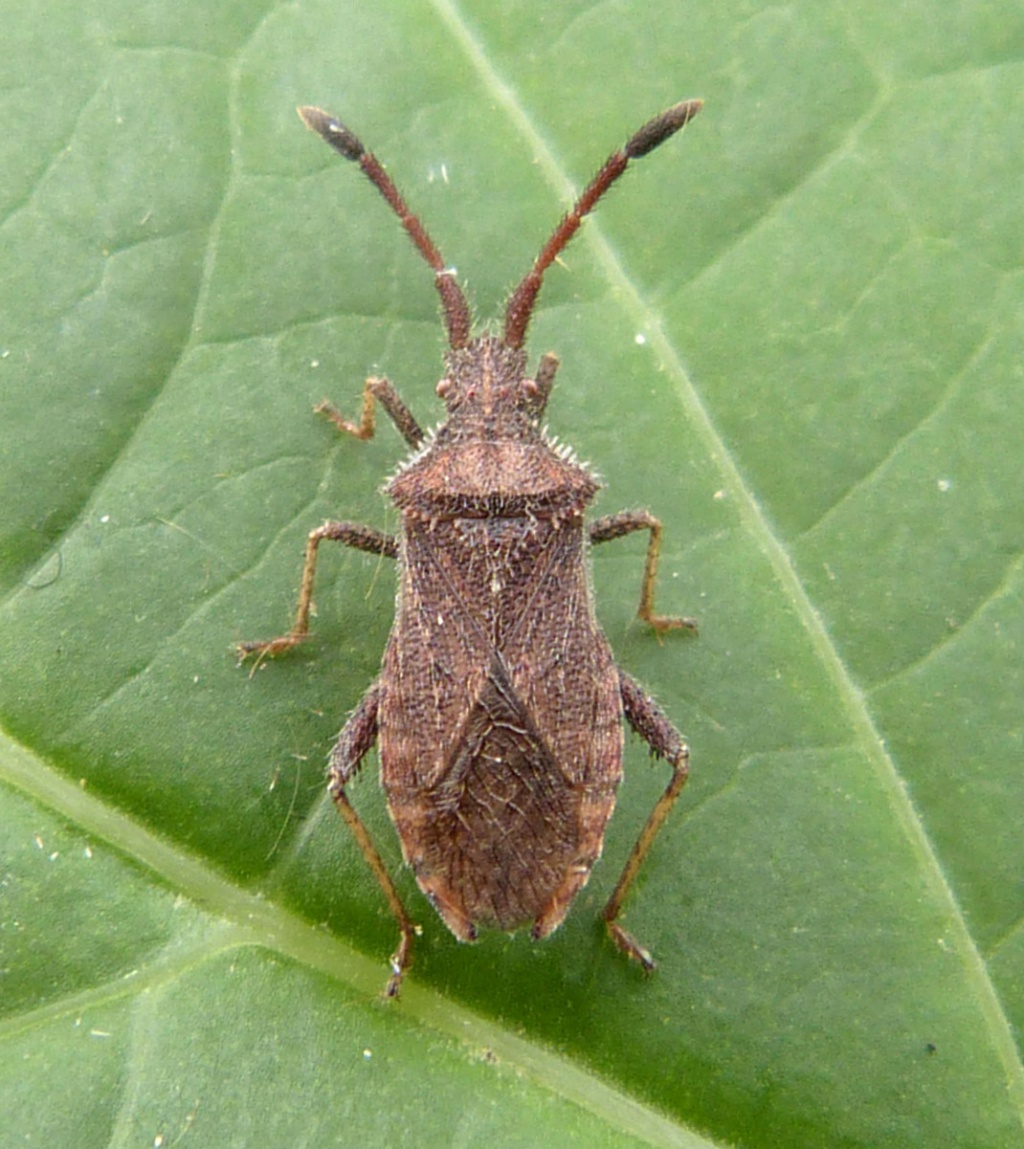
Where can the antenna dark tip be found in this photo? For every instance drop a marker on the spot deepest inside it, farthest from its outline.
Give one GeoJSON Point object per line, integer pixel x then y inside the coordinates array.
{"type": "Point", "coordinates": [332, 131]}
{"type": "Point", "coordinates": [658, 130]}
{"type": "Point", "coordinates": [348, 144]}
{"type": "Point", "coordinates": [654, 132]}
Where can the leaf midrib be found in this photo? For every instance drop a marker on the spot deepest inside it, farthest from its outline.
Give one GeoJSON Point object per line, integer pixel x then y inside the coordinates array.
{"type": "Point", "coordinates": [253, 921]}
{"type": "Point", "coordinates": [851, 698]}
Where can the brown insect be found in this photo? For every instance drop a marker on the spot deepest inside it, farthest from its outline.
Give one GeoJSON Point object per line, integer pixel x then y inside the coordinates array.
{"type": "Point", "coordinates": [499, 706]}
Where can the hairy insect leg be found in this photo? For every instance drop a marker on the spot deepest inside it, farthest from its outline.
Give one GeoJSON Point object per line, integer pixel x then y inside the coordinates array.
{"type": "Point", "coordinates": [542, 382]}
{"type": "Point", "coordinates": [352, 535]}
{"type": "Point", "coordinates": [376, 390]}
{"type": "Point", "coordinates": [354, 742]}
{"type": "Point", "coordinates": [651, 723]}
{"type": "Point", "coordinates": [624, 523]}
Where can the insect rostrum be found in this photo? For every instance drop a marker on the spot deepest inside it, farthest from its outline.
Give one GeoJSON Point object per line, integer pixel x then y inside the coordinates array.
{"type": "Point", "coordinates": [498, 710]}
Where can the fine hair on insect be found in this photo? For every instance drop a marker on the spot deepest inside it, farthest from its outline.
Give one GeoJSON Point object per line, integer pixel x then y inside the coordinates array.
{"type": "Point", "coordinates": [498, 711]}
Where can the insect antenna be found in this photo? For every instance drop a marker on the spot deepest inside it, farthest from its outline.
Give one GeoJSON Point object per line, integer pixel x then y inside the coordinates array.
{"type": "Point", "coordinates": [453, 302]}
{"type": "Point", "coordinates": [654, 132]}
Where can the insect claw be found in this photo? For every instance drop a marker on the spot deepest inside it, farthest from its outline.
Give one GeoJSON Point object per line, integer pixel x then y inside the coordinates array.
{"type": "Point", "coordinates": [265, 650]}
{"type": "Point", "coordinates": [631, 947]}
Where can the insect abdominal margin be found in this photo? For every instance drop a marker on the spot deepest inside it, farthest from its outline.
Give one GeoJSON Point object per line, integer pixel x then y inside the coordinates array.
{"type": "Point", "coordinates": [495, 656]}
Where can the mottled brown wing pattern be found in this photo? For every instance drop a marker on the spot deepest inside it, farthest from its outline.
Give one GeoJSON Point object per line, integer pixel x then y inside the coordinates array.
{"type": "Point", "coordinates": [512, 801]}
{"type": "Point", "coordinates": [498, 708]}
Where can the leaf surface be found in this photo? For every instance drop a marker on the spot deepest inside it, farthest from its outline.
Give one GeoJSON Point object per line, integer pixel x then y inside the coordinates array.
{"type": "Point", "coordinates": [794, 332]}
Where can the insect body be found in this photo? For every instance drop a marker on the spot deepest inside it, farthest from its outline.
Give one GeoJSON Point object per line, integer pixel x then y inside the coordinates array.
{"type": "Point", "coordinates": [498, 710]}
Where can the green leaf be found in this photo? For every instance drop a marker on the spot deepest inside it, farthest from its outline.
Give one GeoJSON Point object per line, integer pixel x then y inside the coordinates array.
{"type": "Point", "coordinates": [794, 332]}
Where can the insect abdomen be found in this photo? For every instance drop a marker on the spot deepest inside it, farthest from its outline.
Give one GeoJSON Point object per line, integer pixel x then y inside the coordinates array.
{"type": "Point", "coordinates": [510, 801]}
